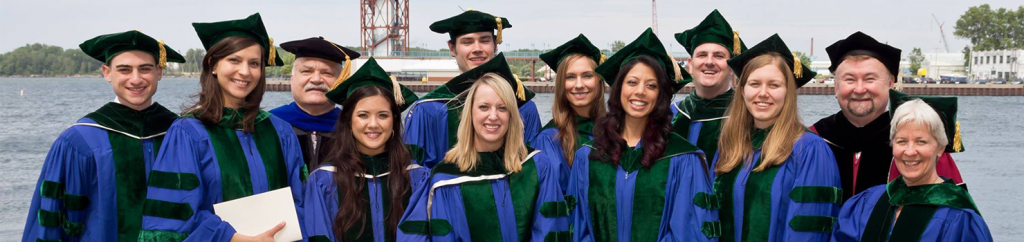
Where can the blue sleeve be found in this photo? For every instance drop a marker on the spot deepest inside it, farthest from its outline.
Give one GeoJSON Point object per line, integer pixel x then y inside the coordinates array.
{"type": "Point", "coordinates": [426, 126]}
{"type": "Point", "coordinates": [579, 182]}
{"type": "Point", "coordinates": [62, 180]}
{"type": "Point", "coordinates": [550, 224]}
{"type": "Point", "coordinates": [531, 120]}
{"type": "Point", "coordinates": [854, 215]}
{"type": "Point", "coordinates": [685, 220]}
{"type": "Point", "coordinates": [297, 170]}
{"type": "Point", "coordinates": [969, 226]}
{"type": "Point", "coordinates": [551, 152]}
{"type": "Point", "coordinates": [182, 209]}
{"type": "Point", "coordinates": [816, 173]}
{"type": "Point", "coordinates": [320, 205]}
{"type": "Point", "coordinates": [414, 225]}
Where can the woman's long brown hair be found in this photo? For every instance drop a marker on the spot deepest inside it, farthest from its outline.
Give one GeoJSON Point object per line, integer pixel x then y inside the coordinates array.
{"type": "Point", "coordinates": [210, 105]}
{"type": "Point", "coordinates": [734, 141]}
{"type": "Point", "coordinates": [608, 140]}
{"type": "Point", "coordinates": [344, 155]}
{"type": "Point", "coordinates": [563, 115]}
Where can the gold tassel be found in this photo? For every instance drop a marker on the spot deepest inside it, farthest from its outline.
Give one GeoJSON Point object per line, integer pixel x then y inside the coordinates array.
{"type": "Point", "coordinates": [957, 146]}
{"type": "Point", "coordinates": [735, 43]}
{"type": "Point", "coordinates": [520, 90]}
{"type": "Point", "coordinates": [498, 38]}
{"type": "Point", "coordinates": [346, 69]}
{"type": "Point", "coordinates": [163, 54]}
{"type": "Point", "coordinates": [675, 67]}
{"type": "Point", "coordinates": [603, 58]}
{"type": "Point", "coordinates": [273, 53]}
{"type": "Point", "coordinates": [397, 91]}
{"type": "Point", "coordinates": [798, 69]}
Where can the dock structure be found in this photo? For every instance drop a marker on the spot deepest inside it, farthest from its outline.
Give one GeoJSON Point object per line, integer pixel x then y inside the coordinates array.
{"type": "Point", "coordinates": [809, 89]}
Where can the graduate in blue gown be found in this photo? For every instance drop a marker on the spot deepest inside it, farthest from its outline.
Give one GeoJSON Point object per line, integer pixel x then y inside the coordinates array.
{"type": "Point", "coordinates": [491, 186]}
{"type": "Point", "coordinates": [579, 99]}
{"type": "Point", "coordinates": [919, 205]}
{"type": "Point", "coordinates": [432, 121]}
{"type": "Point", "coordinates": [317, 68]}
{"type": "Point", "coordinates": [775, 180]}
{"type": "Point", "coordinates": [92, 184]}
{"type": "Point", "coordinates": [637, 180]}
{"type": "Point", "coordinates": [224, 147]}
{"type": "Point", "coordinates": [362, 189]}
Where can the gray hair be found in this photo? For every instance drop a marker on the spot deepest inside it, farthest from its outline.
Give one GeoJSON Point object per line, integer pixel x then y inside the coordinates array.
{"type": "Point", "coordinates": [918, 111]}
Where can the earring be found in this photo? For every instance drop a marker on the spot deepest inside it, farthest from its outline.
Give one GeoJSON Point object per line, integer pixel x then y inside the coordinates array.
{"type": "Point", "coordinates": [213, 72]}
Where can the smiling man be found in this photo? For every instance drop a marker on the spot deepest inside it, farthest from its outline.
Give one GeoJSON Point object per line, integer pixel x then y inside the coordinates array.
{"type": "Point", "coordinates": [432, 121]}
{"type": "Point", "coordinates": [858, 134]}
{"type": "Point", "coordinates": [93, 182]}
{"type": "Point", "coordinates": [317, 68]}
{"type": "Point", "coordinates": [698, 117]}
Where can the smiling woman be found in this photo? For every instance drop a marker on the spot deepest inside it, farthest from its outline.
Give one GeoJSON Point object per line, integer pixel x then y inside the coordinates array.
{"type": "Point", "coordinates": [769, 167]}
{"type": "Point", "coordinates": [637, 179]}
{"type": "Point", "coordinates": [225, 147]}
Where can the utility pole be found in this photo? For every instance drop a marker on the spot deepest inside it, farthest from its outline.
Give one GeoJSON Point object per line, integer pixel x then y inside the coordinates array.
{"type": "Point", "coordinates": [654, 15]}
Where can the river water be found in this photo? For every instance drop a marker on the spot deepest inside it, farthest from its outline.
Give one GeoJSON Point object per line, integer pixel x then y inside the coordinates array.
{"type": "Point", "coordinates": [992, 130]}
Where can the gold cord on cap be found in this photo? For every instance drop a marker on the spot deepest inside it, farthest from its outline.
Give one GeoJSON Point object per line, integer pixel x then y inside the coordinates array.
{"type": "Point", "coordinates": [498, 38]}
{"type": "Point", "coordinates": [798, 69]}
{"type": "Point", "coordinates": [397, 91]}
{"type": "Point", "coordinates": [346, 69]}
{"type": "Point", "coordinates": [163, 54]}
{"type": "Point", "coordinates": [735, 43]}
{"type": "Point", "coordinates": [520, 90]}
{"type": "Point", "coordinates": [603, 58]}
{"type": "Point", "coordinates": [273, 53]}
{"type": "Point", "coordinates": [957, 146]}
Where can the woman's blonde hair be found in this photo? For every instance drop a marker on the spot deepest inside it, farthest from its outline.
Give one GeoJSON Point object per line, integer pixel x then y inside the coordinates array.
{"type": "Point", "coordinates": [464, 154]}
{"type": "Point", "coordinates": [735, 140]}
{"type": "Point", "coordinates": [562, 113]}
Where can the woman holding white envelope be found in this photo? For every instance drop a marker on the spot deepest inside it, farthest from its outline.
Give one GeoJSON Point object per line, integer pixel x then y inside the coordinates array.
{"type": "Point", "coordinates": [224, 147]}
{"type": "Point", "coordinates": [364, 185]}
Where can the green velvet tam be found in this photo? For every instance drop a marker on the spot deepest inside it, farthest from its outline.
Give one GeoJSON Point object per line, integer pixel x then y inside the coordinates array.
{"type": "Point", "coordinates": [251, 27]}
{"type": "Point", "coordinates": [471, 21]}
{"type": "Point", "coordinates": [579, 45]}
{"type": "Point", "coordinates": [371, 74]}
{"type": "Point", "coordinates": [105, 47]}
{"type": "Point", "coordinates": [646, 44]}
{"type": "Point", "coordinates": [774, 44]}
{"type": "Point", "coordinates": [714, 29]}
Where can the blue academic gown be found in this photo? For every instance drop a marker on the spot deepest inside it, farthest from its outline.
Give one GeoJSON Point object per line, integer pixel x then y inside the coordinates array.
{"type": "Point", "coordinates": [89, 189]}
{"type": "Point", "coordinates": [427, 126]}
{"type": "Point", "coordinates": [796, 201]}
{"type": "Point", "coordinates": [643, 204]}
{"type": "Point", "coordinates": [947, 224]}
{"type": "Point", "coordinates": [551, 148]}
{"type": "Point", "coordinates": [488, 206]}
{"type": "Point", "coordinates": [322, 202]}
{"type": "Point", "coordinates": [187, 177]}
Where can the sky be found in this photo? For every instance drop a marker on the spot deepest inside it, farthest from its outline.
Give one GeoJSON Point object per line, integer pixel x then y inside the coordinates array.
{"type": "Point", "coordinates": [539, 24]}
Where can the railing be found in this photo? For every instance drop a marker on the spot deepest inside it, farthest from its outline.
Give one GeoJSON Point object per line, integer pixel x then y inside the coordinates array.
{"type": "Point", "coordinates": [510, 54]}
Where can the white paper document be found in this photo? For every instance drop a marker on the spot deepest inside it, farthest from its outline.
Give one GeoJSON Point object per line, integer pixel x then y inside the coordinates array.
{"type": "Point", "coordinates": [258, 213]}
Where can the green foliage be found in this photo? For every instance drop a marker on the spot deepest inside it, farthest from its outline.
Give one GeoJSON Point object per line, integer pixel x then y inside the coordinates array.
{"type": "Point", "coordinates": [46, 60]}
{"type": "Point", "coordinates": [617, 45]}
{"type": "Point", "coordinates": [989, 29]}
{"type": "Point", "coordinates": [286, 69]}
{"type": "Point", "coordinates": [804, 58]}
{"type": "Point", "coordinates": [916, 57]}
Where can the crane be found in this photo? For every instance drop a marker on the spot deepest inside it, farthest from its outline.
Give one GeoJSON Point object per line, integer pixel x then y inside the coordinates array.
{"type": "Point", "coordinates": [943, 33]}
